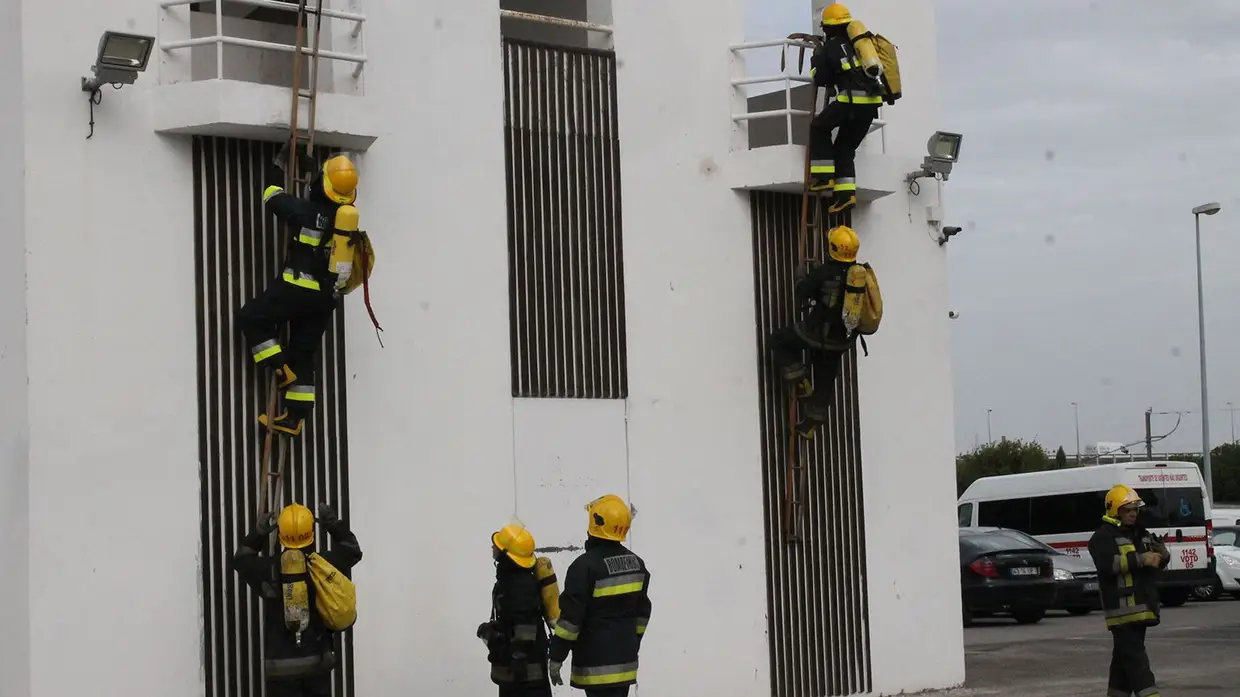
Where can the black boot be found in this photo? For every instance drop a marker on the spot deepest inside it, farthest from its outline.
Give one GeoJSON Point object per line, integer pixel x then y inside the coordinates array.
{"type": "Point", "coordinates": [821, 183]}
{"type": "Point", "coordinates": [813, 415]}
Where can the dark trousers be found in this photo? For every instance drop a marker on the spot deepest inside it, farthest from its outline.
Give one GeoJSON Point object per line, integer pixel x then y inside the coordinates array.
{"type": "Point", "coordinates": [308, 313]}
{"type": "Point", "coordinates": [839, 156]}
{"type": "Point", "coordinates": [312, 686]}
{"type": "Point", "coordinates": [786, 347]}
{"type": "Point", "coordinates": [1130, 666]}
{"type": "Point", "coordinates": [526, 689]}
{"type": "Point", "coordinates": [608, 692]}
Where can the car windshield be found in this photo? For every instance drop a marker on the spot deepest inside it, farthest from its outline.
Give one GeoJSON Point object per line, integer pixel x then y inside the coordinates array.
{"type": "Point", "coordinates": [1001, 541]}
{"type": "Point", "coordinates": [1225, 537]}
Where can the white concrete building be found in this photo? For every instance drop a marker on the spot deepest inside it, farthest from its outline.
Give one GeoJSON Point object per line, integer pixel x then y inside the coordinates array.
{"type": "Point", "coordinates": [577, 270]}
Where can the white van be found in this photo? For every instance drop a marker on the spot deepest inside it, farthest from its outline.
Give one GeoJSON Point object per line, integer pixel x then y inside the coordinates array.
{"type": "Point", "coordinates": [1064, 507]}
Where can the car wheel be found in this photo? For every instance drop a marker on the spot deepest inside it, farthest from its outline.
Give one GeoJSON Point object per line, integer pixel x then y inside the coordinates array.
{"type": "Point", "coordinates": [1078, 611]}
{"type": "Point", "coordinates": [1174, 597]}
{"type": "Point", "coordinates": [1236, 595]}
{"type": "Point", "coordinates": [1028, 616]}
{"type": "Point", "coordinates": [1210, 592]}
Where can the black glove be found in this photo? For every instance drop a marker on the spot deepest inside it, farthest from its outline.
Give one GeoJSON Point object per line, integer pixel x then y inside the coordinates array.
{"type": "Point", "coordinates": [266, 524]}
{"type": "Point", "coordinates": [327, 515]}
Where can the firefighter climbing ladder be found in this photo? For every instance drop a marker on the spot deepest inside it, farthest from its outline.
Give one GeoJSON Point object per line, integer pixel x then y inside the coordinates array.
{"type": "Point", "coordinates": [272, 477]}
{"type": "Point", "coordinates": [811, 246]}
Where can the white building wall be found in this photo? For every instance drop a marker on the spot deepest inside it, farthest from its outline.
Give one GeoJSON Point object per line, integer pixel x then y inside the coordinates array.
{"type": "Point", "coordinates": [14, 426]}
{"type": "Point", "coordinates": [113, 497]}
{"type": "Point", "coordinates": [440, 452]}
{"type": "Point", "coordinates": [905, 391]}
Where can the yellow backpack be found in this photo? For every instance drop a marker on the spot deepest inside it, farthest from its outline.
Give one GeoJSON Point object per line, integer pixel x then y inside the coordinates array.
{"type": "Point", "coordinates": [863, 302]}
{"type": "Point", "coordinates": [549, 588]}
{"type": "Point", "coordinates": [335, 595]}
{"type": "Point", "coordinates": [874, 50]}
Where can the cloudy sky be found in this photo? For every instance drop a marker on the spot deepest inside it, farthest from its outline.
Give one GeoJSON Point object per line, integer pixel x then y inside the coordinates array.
{"type": "Point", "coordinates": [1091, 130]}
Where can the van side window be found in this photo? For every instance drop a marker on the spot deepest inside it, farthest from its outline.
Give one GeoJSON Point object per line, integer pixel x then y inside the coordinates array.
{"type": "Point", "coordinates": [964, 515]}
{"type": "Point", "coordinates": [1066, 513]}
{"type": "Point", "coordinates": [1009, 513]}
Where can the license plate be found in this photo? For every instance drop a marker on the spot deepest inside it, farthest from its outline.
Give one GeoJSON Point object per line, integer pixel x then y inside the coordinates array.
{"type": "Point", "coordinates": [1091, 586]}
{"type": "Point", "coordinates": [1026, 571]}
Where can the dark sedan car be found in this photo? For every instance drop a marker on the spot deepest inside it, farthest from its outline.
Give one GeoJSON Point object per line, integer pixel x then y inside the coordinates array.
{"type": "Point", "coordinates": [1000, 573]}
{"type": "Point", "coordinates": [1076, 578]}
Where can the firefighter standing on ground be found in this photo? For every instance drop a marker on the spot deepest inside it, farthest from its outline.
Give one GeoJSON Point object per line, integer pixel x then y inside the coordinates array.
{"type": "Point", "coordinates": [604, 608]}
{"type": "Point", "coordinates": [1128, 558]}
{"type": "Point", "coordinates": [858, 94]}
{"type": "Point", "coordinates": [297, 664]}
{"type": "Point", "coordinates": [824, 332]}
{"type": "Point", "coordinates": [515, 636]}
{"type": "Point", "coordinates": [304, 293]}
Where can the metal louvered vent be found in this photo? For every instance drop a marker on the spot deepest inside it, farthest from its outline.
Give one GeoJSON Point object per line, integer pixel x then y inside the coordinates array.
{"type": "Point", "coordinates": [816, 588]}
{"type": "Point", "coordinates": [566, 274]}
{"type": "Point", "coordinates": [238, 250]}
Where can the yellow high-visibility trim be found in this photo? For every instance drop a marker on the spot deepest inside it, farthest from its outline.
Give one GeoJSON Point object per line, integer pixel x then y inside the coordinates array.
{"type": "Point", "coordinates": [618, 590]}
{"type": "Point", "coordinates": [271, 191]}
{"type": "Point", "coordinates": [300, 393]}
{"type": "Point", "coordinates": [641, 629]}
{"type": "Point", "coordinates": [604, 679]}
{"type": "Point", "coordinates": [299, 281]}
{"type": "Point", "coordinates": [564, 634]}
{"type": "Point", "coordinates": [266, 353]}
{"type": "Point", "coordinates": [1129, 619]}
{"type": "Point", "coordinates": [822, 169]}
{"type": "Point", "coordinates": [841, 185]}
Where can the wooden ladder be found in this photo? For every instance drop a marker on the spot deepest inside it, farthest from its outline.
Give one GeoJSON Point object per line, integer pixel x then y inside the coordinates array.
{"type": "Point", "coordinates": [272, 478]}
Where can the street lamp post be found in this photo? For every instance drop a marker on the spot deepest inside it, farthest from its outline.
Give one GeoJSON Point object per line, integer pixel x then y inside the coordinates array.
{"type": "Point", "coordinates": [1076, 417]}
{"type": "Point", "coordinates": [989, 438]}
{"type": "Point", "coordinates": [1231, 412]}
{"type": "Point", "coordinates": [1204, 209]}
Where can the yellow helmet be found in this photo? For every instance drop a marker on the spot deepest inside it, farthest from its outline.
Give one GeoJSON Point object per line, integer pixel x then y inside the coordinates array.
{"type": "Point", "coordinates": [1120, 496]}
{"type": "Point", "coordinates": [517, 543]}
{"type": "Point", "coordinates": [843, 243]}
{"type": "Point", "coordinates": [340, 179]}
{"type": "Point", "coordinates": [296, 525]}
{"type": "Point", "coordinates": [610, 518]}
{"type": "Point", "coordinates": [835, 14]}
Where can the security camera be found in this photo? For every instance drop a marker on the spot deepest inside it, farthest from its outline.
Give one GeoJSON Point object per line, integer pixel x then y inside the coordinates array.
{"type": "Point", "coordinates": [948, 233]}
{"type": "Point", "coordinates": [952, 314]}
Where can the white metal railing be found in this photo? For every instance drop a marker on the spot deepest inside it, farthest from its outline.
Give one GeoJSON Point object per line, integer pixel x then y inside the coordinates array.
{"type": "Point", "coordinates": [557, 21]}
{"type": "Point", "coordinates": [219, 39]}
{"type": "Point", "coordinates": [786, 77]}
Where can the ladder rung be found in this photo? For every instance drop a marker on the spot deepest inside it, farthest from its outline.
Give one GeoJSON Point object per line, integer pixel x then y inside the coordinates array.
{"type": "Point", "coordinates": [305, 93]}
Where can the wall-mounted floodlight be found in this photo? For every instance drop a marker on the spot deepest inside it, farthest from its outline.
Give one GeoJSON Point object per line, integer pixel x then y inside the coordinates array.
{"type": "Point", "coordinates": [121, 57]}
{"type": "Point", "coordinates": [119, 60]}
{"type": "Point", "coordinates": [943, 150]}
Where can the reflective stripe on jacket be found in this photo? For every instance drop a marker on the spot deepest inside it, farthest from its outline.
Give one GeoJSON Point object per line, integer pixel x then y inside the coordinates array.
{"type": "Point", "coordinates": [1129, 588]}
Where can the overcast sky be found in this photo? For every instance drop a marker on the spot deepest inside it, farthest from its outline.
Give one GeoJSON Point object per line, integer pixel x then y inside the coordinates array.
{"type": "Point", "coordinates": [1091, 130]}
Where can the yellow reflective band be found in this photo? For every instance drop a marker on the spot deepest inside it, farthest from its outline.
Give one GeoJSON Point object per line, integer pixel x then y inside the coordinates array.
{"type": "Point", "coordinates": [271, 191]}
{"type": "Point", "coordinates": [1129, 619]}
{"type": "Point", "coordinates": [302, 280]}
{"type": "Point", "coordinates": [841, 185]}
{"type": "Point", "coordinates": [605, 675]}
{"type": "Point", "coordinates": [641, 629]}
{"type": "Point", "coordinates": [618, 590]}
{"type": "Point", "coordinates": [564, 634]}
{"type": "Point", "coordinates": [266, 350]}
{"type": "Point", "coordinates": [310, 236]}
{"type": "Point", "coordinates": [812, 71]}
{"type": "Point", "coordinates": [300, 393]}
{"type": "Point", "coordinates": [822, 169]}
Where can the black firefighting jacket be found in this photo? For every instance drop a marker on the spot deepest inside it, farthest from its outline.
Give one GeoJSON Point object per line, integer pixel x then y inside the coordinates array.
{"type": "Point", "coordinates": [825, 324]}
{"type": "Point", "coordinates": [835, 65]}
{"type": "Point", "coordinates": [604, 609]}
{"type": "Point", "coordinates": [516, 636]}
{"type": "Point", "coordinates": [284, 655]}
{"type": "Point", "coordinates": [310, 220]}
{"type": "Point", "coordinates": [1129, 588]}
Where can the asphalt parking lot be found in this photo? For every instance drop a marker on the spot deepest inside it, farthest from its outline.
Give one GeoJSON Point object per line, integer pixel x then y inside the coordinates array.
{"type": "Point", "coordinates": [1192, 653]}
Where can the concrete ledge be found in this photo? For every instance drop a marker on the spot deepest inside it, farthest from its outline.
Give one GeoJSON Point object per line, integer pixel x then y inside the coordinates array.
{"type": "Point", "coordinates": [782, 168]}
{"type": "Point", "coordinates": [237, 109]}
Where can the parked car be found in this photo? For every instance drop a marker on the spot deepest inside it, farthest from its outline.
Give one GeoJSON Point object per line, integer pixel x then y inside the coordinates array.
{"type": "Point", "coordinates": [1076, 578]}
{"type": "Point", "coordinates": [1003, 574]}
{"type": "Point", "coordinates": [1227, 570]}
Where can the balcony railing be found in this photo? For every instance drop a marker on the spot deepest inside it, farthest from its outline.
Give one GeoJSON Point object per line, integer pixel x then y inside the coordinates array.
{"type": "Point", "coordinates": [219, 39]}
{"type": "Point", "coordinates": [788, 78]}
